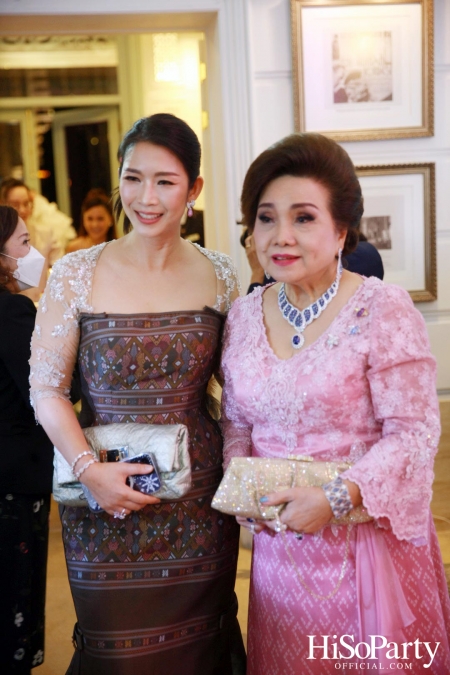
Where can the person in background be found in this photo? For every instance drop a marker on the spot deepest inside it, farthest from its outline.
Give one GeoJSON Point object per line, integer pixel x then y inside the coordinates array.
{"type": "Point", "coordinates": [49, 228]}
{"type": "Point", "coordinates": [26, 460]}
{"type": "Point", "coordinates": [46, 213]}
{"type": "Point", "coordinates": [97, 221]}
{"type": "Point", "coordinates": [364, 260]}
{"type": "Point", "coordinates": [337, 367]}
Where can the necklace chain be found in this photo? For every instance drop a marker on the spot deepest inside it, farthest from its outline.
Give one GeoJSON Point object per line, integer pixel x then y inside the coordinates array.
{"type": "Point", "coordinates": [300, 318]}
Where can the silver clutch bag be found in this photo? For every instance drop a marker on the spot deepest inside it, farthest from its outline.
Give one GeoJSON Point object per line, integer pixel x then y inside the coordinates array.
{"type": "Point", "coordinates": [247, 479]}
{"type": "Point", "coordinates": [167, 442]}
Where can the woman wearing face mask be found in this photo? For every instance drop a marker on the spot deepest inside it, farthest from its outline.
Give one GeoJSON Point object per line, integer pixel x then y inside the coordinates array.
{"type": "Point", "coordinates": [152, 581]}
{"type": "Point", "coordinates": [25, 460]}
{"type": "Point", "coordinates": [50, 229]}
{"type": "Point", "coordinates": [97, 222]}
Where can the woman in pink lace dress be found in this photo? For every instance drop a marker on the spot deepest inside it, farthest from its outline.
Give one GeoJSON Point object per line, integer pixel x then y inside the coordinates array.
{"type": "Point", "coordinates": [332, 365]}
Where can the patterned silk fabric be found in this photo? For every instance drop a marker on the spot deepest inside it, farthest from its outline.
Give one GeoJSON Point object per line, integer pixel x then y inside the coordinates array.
{"type": "Point", "coordinates": [153, 592]}
{"type": "Point", "coordinates": [154, 369]}
{"type": "Point", "coordinates": [364, 392]}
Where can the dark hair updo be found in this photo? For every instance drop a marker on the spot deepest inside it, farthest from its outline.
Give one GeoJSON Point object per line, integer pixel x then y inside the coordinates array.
{"type": "Point", "coordinates": [169, 132]}
{"type": "Point", "coordinates": [312, 156]}
{"type": "Point", "coordinates": [8, 223]}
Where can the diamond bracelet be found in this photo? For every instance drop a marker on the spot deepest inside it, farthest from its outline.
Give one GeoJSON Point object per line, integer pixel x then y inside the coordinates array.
{"type": "Point", "coordinates": [78, 457]}
{"type": "Point", "coordinates": [84, 467]}
{"type": "Point", "coordinates": [338, 496]}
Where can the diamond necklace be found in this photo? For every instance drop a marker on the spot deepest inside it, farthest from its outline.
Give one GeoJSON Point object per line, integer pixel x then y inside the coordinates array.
{"type": "Point", "coordinates": [300, 318]}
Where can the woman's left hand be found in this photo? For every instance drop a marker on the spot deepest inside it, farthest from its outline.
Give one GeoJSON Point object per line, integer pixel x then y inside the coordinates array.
{"type": "Point", "coordinates": [307, 509]}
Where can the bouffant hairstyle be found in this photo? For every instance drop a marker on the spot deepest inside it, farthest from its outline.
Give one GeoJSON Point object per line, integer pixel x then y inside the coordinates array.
{"type": "Point", "coordinates": [8, 223]}
{"type": "Point", "coordinates": [169, 132]}
{"type": "Point", "coordinates": [310, 156]}
{"type": "Point", "coordinates": [97, 197]}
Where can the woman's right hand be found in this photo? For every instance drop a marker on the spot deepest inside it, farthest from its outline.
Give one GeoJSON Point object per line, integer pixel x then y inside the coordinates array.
{"type": "Point", "coordinates": [107, 483]}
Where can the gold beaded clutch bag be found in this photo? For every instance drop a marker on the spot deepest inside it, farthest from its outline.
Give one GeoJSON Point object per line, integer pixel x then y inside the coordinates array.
{"type": "Point", "coordinates": [247, 479]}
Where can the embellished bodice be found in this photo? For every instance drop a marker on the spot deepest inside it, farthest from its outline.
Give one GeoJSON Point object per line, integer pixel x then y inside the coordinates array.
{"type": "Point", "coordinates": [364, 391]}
{"type": "Point", "coordinates": [65, 303]}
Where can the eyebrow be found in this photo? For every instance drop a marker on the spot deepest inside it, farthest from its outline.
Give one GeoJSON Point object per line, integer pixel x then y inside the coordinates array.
{"type": "Point", "coordinates": [158, 173]}
{"type": "Point", "coordinates": [293, 206]}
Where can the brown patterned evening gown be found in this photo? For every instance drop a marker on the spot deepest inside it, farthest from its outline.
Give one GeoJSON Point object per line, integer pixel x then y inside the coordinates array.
{"type": "Point", "coordinates": [154, 592]}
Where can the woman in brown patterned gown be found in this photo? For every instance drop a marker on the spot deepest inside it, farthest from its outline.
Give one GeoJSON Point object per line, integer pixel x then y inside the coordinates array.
{"type": "Point", "coordinates": [153, 588]}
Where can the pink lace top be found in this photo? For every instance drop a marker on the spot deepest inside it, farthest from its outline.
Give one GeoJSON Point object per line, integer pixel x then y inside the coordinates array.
{"type": "Point", "coordinates": [364, 391]}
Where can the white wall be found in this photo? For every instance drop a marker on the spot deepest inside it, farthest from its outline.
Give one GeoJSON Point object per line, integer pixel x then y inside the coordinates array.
{"type": "Point", "coordinates": [272, 118]}
{"type": "Point", "coordinates": [180, 92]}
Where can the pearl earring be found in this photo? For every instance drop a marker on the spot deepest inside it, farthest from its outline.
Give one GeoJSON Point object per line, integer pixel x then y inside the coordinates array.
{"type": "Point", "coordinates": [190, 205]}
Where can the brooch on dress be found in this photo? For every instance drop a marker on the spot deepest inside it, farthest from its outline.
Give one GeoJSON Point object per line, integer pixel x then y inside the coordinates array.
{"type": "Point", "coordinates": [360, 312]}
{"type": "Point", "coordinates": [332, 341]}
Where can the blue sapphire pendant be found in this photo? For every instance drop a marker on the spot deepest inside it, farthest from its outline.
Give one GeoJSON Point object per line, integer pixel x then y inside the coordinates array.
{"type": "Point", "coordinates": [298, 341]}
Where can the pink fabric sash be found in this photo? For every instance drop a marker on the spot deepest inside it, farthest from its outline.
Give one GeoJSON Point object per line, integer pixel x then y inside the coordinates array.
{"type": "Point", "coordinates": [382, 606]}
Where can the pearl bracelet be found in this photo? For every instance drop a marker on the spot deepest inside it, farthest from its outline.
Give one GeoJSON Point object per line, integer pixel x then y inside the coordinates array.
{"type": "Point", "coordinates": [84, 467]}
{"type": "Point", "coordinates": [82, 454]}
{"type": "Point", "coordinates": [338, 496]}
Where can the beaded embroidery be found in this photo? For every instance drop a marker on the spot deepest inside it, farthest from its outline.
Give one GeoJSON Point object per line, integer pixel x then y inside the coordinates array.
{"type": "Point", "coordinates": [70, 286]}
{"type": "Point", "coordinates": [226, 272]}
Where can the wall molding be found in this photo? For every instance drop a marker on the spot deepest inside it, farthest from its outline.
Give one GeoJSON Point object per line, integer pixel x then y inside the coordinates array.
{"type": "Point", "coordinates": [237, 112]}
{"type": "Point", "coordinates": [272, 75]}
{"type": "Point", "coordinates": [436, 317]}
{"type": "Point", "coordinates": [443, 394]}
{"type": "Point", "coordinates": [399, 155]}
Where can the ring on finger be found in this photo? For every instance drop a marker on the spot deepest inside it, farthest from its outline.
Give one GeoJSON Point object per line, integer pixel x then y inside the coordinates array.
{"type": "Point", "coordinates": [252, 528]}
{"type": "Point", "coordinates": [279, 526]}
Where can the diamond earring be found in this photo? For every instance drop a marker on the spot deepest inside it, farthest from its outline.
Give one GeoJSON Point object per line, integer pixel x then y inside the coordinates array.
{"type": "Point", "coordinates": [340, 267]}
{"type": "Point", "coordinates": [190, 205]}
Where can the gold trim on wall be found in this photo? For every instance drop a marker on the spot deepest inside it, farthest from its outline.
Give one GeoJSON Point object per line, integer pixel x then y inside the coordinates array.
{"type": "Point", "coordinates": [427, 126]}
{"type": "Point", "coordinates": [429, 292]}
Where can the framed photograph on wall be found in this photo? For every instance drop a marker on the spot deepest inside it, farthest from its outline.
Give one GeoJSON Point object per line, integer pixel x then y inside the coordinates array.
{"type": "Point", "coordinates": [399, 220]}
{"type": "Point", "coordinates": [363, 69]}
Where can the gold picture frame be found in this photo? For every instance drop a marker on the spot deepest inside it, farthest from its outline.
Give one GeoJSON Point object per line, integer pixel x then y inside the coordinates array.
{"type": "Point", "coordinates": [357, 71]}
{"type": "Point", "coordinates": [400, 220]}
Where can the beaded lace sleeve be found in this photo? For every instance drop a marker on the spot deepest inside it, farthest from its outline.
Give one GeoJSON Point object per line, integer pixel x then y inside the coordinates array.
{"type": "Point", "coordinates": [54, 343]}
{"type": "Point", "coordinates": [228, 286]}
{"type": "Point", "coordinates": [396, 475]}
{"type": "Point", "coordinates": [236, 430]}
